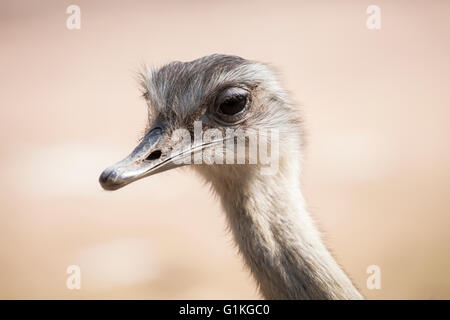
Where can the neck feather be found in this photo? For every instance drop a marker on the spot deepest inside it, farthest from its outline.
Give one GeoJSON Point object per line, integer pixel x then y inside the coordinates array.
{"type": "Point", "coordinates": [278, 239]}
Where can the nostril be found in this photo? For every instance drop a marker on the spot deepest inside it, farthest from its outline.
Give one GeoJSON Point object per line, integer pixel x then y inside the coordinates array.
{"type": "Point", "coordinates": [154, 155]}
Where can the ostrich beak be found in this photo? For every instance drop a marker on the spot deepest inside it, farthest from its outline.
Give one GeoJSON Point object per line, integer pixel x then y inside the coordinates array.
{"type": "Point", "coordinates": [145, 160]}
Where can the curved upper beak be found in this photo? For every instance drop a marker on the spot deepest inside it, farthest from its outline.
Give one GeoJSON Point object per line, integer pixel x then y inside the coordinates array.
{"type": "Point", "coordinates": [148, 158]}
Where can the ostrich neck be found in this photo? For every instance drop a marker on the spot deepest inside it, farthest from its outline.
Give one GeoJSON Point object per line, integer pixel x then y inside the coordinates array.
{"type": "Point", "coordinates": [279, 241]}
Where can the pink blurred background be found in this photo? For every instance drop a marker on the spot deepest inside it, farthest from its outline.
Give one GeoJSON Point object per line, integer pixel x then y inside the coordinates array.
{"type": "Point", "coordinates": [377, 170]}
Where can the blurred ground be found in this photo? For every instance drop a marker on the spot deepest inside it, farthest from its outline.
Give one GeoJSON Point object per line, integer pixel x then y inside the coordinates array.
{"type": "Point", "coordinates": [377, 170]}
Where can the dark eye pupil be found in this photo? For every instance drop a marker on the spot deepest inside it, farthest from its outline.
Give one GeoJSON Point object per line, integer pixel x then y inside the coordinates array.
{"type": "Point", "coordinates": [233, 105]}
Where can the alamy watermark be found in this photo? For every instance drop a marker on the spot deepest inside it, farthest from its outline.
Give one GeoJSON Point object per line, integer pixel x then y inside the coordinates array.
{"type": "Point", "coordinates": [73, 281]}
{"type": "Point", "coordinates": [374, 19]}
{"type": "Point", "coordinates": [374, 280]}
{"type": "Point", "coordinates": [228, 146]}
{"type": "Point", "coordinates": [73, 22]}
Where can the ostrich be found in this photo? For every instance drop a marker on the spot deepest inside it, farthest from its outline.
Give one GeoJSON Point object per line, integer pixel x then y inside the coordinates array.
{"type": "Point", "coordinates": [265, 212]}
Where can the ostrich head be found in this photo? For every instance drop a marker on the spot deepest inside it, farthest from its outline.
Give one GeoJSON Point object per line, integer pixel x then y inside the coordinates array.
{"type": "Point", "coordinates": [203, 111]}
{"type": "Point", "coordinates": [231, 98]}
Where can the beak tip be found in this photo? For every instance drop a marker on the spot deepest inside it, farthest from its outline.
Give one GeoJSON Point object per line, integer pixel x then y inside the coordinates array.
{"type": "Point", "coordinates": [104, 176]}
{"type": "Point", "coordinates": [106, 180]}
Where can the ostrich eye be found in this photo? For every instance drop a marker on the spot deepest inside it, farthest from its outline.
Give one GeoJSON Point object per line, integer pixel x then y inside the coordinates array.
{"type": "Point", "coordinates": [231, 104]}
